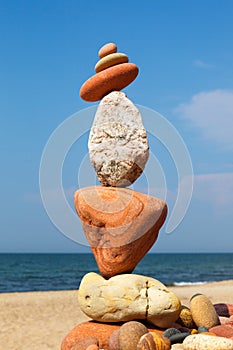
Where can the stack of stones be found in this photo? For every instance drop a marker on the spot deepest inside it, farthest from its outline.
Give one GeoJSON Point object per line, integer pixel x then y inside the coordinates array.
{"type": "Point", "coordinates": [120, 224]}
{"type": "Point", "coordinates": [128, 311]}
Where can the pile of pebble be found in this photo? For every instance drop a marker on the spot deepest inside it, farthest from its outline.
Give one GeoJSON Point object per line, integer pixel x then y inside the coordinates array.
{"type": "Point", "coordinates": [201, 326]}
{"type": "Point", "coordinates": [129, 311]}
{"type": "Point", "coordinates": [114, 73]}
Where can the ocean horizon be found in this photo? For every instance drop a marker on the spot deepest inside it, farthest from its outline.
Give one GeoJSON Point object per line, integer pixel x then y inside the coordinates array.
{"type": "Point", "coordinates": [27, 272]}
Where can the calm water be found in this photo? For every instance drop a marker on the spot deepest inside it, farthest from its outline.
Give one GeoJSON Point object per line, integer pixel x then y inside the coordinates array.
{"type": "Point", "coordinates": [38, 272]}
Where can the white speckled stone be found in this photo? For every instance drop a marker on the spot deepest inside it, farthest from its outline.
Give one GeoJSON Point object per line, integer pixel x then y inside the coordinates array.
{"type": "Point", "coordinates": [118, 145]}
{"type": "Point", "coordinates": [207, 342]}
{"type": "Point", "coordinates": [128, 297]}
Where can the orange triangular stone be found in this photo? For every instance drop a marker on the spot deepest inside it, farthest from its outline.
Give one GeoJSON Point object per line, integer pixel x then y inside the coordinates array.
{"type": "Point", "coordinates": [121, 225]}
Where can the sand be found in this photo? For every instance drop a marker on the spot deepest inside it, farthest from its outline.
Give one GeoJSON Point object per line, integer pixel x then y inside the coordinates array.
{"type": "Point", "coordinates": [40, 320]}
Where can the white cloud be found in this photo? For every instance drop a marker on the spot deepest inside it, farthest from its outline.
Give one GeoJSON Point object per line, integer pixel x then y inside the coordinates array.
{"type": "Point", "coordinates": [212, 112]}
{"type": "Point", "coordinates": [202, 64]}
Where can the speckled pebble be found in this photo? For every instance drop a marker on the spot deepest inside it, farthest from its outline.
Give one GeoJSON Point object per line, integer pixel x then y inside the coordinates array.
{"type": "Point", "coordinates": [203, 311]}
{"type": "Point", "coordinates": [206, 342]}
{"type": "Point", "coordinates": [130, 334]}
{"type": "Point", "coordinates": [185, 318]}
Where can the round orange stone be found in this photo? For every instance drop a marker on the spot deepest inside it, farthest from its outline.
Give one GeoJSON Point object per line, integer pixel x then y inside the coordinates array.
{"type": "Point", "coordinates": [113, 78]}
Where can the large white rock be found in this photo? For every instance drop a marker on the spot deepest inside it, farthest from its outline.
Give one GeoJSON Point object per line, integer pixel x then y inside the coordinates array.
{"type": "Point", "coordinates": [118, 145]}
{"type": "Point", "coordinates": [128, 297]}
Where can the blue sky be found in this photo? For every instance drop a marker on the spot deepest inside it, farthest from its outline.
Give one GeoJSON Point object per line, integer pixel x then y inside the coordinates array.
{"type": "Point", "coordinates": [184, 52]}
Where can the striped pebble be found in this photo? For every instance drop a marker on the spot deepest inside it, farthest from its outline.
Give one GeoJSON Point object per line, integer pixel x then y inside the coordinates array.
{"type": "Point", "coordinates": [206, 342]}
{"type": "Point", "coordinates": [152, 341]}
{"type": "Point", "coordinates": [111, 60]}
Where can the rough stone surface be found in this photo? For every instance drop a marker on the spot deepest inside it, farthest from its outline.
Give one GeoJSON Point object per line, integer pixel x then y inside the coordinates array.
{"type": "Point", "coordinates": [111, 60]}
{"type": "Point", "coordinates": [101, 331]}
{"type": "Point", "coordinates": [121, 225]}
{"type": "Point", "coordinates": [185, 318]}
{"type": "Point", "coordinates": [107, 49]}
{"type": "Point", "coordinates": [113, 78]}
{"type": "Point", "coordinates": [201, 342]}
{"type": "Point", "coordinates": [118, 145]}
{"type": "Point", "coordinates": [203, 311]}
{"type": "Point", "coordinates": [128, 297]}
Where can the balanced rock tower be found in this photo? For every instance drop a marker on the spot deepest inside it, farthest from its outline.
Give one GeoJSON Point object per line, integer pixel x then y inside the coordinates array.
{"type": "Point", "coordinates": [120, 224]}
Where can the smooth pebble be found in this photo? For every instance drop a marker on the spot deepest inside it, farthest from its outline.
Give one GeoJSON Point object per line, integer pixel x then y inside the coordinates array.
{"type": "Point", "coordinates": [113, 78]}
{"type": "Point", "coordinates": [203, 311]}
{"type": "Point", "coordinates": [111, 60]}
{"type": "Point", "coordinates": [206, 342]}
{"type": "Point", "coordinates": [107, 49]}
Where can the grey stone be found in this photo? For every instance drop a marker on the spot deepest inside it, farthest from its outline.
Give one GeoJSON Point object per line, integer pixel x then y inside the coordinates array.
{"type": "Point", "coordinates": [118, 145]}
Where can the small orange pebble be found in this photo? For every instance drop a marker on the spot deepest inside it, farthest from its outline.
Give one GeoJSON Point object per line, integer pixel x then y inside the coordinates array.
{"type": "Point", "coordinates": [114, 78]}
{"type": "Point", "coordinates": [107, 49]}
{"type": "Point", "coordinates": [194, 331]}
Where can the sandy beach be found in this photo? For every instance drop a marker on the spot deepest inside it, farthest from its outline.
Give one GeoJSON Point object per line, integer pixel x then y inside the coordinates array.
{"type": "Point", "coordinates": [40, 320]}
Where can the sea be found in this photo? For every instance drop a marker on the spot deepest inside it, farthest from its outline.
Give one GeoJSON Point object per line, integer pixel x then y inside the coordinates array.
{"type": "Point", "coordinates": [51, 272]}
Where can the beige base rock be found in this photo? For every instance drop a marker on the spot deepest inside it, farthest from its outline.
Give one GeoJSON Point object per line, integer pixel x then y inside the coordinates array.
{"type": "Point", "coordinates": [128, 297]}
